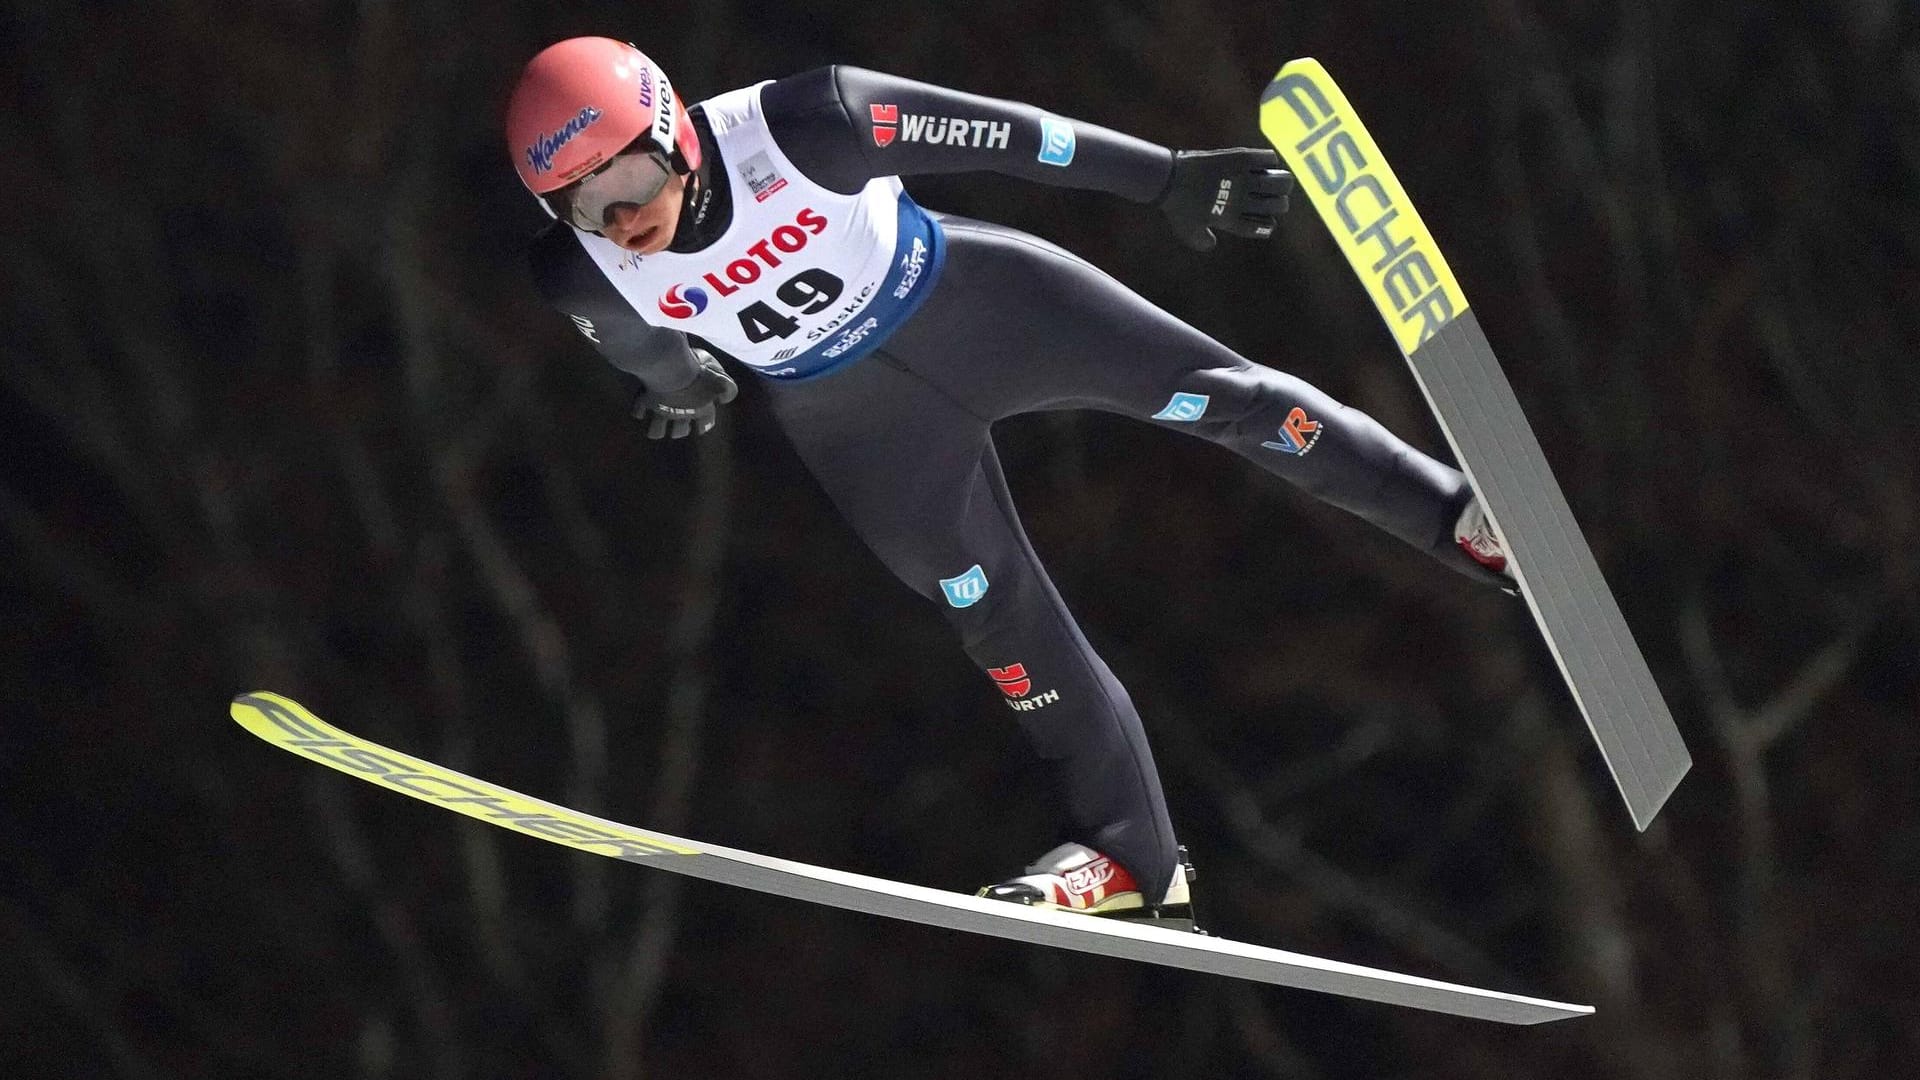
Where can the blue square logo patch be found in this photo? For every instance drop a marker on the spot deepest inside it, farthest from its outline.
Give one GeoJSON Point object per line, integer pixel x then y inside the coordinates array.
{"type": "Point", "coordinates": [1056, 142]}
{"type": "Point", "coordinates": [1184, 408]}
{"type": "Point", "coordinates": [967, 589]}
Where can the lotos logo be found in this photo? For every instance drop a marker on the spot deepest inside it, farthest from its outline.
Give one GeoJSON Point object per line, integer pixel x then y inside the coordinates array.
{"type": "Point", "coordinates": [1011, 679]}
{"type": "Point", "coordinates": [885, 121]}
{"type": "Point", "coordinates": [1297, 434]}
{"type": "Point", "coordinates": [785, 239]}
{"type": "Point", "coordinates": [540, 154]}
{"type": "Point", "coordinates": [683, 302]}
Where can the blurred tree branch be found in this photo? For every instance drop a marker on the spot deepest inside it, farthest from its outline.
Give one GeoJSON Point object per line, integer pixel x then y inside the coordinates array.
{"type": "Point", "coordinates": [427, 997]}
{"type": "Point", "coordinates": [1282, 850]}
{"type": "Point", "coordinates": [690, 644]}
{"type": "Point", "coordinates": [75, 994]}
{"type": "Point", "coordinates": [1779, 1028]}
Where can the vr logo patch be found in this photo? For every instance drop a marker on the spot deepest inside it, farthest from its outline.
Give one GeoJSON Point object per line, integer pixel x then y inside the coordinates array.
{"type": "Point", "coordinates": [1297, 434]}
{"type": "Point", "coordinates": [967, 589]}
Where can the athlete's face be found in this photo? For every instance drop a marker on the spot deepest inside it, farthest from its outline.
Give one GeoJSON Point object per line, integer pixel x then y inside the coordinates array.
{"type": "Point", "coordinates": [647, 228]}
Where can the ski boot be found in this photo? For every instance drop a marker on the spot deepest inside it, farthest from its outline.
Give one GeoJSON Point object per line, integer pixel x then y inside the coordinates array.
{"type": "Point", "coordinates": [1475, 535]}
{"type": "Point", "coordinates": [1074, 877]}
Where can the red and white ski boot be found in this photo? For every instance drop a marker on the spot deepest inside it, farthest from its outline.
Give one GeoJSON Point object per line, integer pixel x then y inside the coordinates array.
{"type": "Point", "coordinates": [1475, 535]}
{"type": "Point", "coordinates": [1074, 877]}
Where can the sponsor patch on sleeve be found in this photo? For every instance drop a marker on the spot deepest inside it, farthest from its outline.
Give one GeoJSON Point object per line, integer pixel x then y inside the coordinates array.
{"type": "Point", "coordinates": [1184, 408]}
{"type": "Point", "coordinates": [1056, 141]}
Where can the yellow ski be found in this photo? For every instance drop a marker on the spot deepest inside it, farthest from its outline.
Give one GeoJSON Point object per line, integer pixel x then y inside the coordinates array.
{"type": "Point", "coordinates": [286, 724]}
{"type": "Point", "coordinates": [1344, 174]}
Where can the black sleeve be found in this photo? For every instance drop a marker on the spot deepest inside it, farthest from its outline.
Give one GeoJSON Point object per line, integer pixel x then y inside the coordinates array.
{"type": "Point", "coordinates": [570, 280]}
{"type": "Point", "coordinates": [843, 126]}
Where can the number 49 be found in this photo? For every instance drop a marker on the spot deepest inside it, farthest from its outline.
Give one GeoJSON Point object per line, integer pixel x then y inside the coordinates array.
{"type": "Point", "coordinates": [808, 292]}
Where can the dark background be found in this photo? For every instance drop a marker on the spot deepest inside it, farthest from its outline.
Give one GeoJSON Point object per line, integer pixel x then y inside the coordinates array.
{"type": "Point", "coordinates": [281, 411]}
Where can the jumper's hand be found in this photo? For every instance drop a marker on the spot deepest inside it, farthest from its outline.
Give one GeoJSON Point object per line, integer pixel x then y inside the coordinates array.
{"type": "Point", "coordinates": [690, 409]}
{"type": "Point", "coordinates": [1242, 191]}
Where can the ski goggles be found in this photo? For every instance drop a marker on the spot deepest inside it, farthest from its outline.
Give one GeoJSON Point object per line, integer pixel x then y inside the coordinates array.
{"type": "Point", "coordinates": [636, 175]}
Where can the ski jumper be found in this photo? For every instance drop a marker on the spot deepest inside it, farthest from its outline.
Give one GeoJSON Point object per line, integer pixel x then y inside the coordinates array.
{"type": "Point", "coordinates": [891, 339]}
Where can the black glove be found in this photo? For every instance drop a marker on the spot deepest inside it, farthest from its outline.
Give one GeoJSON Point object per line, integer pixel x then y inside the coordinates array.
{"type": "Point", "coordinates": [1241, 191]}
{"type": "Point", "coordinates": [688, 410]}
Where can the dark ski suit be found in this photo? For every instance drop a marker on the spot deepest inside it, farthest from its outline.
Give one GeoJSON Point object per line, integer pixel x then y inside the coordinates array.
{"type": "Point", "coordinates": [900, 437]}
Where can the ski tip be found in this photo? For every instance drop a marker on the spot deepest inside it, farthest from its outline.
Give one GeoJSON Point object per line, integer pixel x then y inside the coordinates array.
{"type": "Point", "coordinates": [1305, 66]}
{"type": "Point", "coordinates": [256, 698]}
{"type": "Point", "coordinates": [265, 713]}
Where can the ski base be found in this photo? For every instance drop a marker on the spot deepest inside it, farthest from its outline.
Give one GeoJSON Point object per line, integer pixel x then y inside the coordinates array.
{"type": "Point", "coordinates": [288, 725]}
{"type": "Point", "coordinates": [1314, 128]}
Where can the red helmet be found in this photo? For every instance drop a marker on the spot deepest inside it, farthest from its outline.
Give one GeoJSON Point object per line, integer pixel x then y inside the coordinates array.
{"type": "Point", "coordinates": [585, 99]}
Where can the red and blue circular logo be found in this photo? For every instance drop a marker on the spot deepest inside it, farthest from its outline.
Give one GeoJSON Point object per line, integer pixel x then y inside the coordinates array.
{"type": "Point", "coordinates": [683, 302]}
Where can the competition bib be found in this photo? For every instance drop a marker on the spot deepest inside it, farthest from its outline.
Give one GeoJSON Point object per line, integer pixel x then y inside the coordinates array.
{"type": "Point", "coordinates": [804, 279]}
